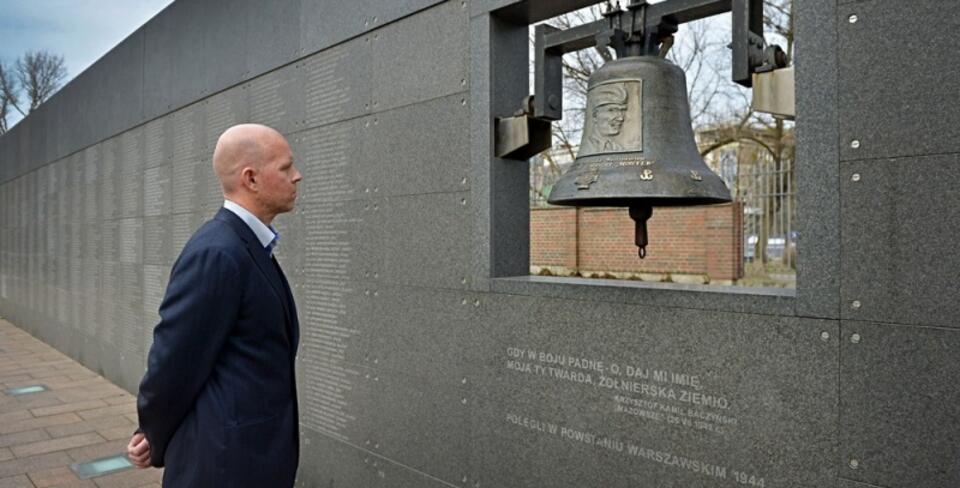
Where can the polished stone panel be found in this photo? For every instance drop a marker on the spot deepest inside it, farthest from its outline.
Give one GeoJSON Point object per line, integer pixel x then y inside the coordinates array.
{"type": "Point", "coordinates": [899, 405]}
{"type": "Point", "coordinates": [817, 165]}
{"type": "Point", "coordinates": [435, 155]}
{"type": "Point", "coordinates": [895, 95]}
{"type": "Point", "coordinates": [623, 395]}
{"type": "Point", "coordinates": [338, 83]}
{"type": "Point", "coordinates": [443, 25]}
{"type": "Point", "coordinates": [276, 99]}
{"type": "Point", "coordinates": [899, 261]}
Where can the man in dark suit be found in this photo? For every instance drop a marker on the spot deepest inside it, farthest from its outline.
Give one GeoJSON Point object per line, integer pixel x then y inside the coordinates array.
{"type": "Point", "coordinates": [218, 402]}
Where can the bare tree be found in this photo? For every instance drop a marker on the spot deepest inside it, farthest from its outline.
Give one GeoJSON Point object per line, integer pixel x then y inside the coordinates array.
{"type": "Point", "coordinates": [8, 95]}
{"type": "Point", "coordinates": [40, 74]}
{"type": "Point", "coordinates": [29, 82]}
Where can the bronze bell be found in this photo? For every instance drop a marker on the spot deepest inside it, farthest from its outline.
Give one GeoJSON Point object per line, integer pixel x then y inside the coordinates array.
{"type": "Point", "coordinates": [638, 149]}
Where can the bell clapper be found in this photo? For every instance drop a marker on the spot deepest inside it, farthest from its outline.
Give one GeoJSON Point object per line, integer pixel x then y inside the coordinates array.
{"type": "Point", "coordinates": [640, 216]}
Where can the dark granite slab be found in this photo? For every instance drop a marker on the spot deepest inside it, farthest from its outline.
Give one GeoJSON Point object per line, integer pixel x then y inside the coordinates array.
{"type": "Point", "coordinates": [895, 85]}
{"type": "Point", "coordinates": [575, 393]}
{"type": "Point", "coordinates": [900, 220]}
{"type": "Point", "coordinates": [898, 405]}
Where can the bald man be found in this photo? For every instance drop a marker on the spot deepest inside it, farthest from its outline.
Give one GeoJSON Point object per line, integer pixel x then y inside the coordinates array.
{"type": "Point", "coordinates": [218, 402]}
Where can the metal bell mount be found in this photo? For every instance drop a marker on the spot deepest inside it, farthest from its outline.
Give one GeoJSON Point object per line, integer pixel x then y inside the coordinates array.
{"type": "Point", "coordinates": [638, 148]}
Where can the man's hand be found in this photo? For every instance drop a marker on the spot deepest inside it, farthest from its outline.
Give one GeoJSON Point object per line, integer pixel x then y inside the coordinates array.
{"type": "Point", "coordinates": [138, 450]}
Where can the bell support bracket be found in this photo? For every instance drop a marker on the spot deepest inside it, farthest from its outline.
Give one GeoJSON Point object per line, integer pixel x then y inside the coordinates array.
{"type": "Point", "coordinates": [639, 29]}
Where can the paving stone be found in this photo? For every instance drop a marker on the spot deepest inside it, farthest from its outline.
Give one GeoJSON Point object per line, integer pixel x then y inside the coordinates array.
{"type": "Point", "coordinates": [120, 399]}
{"type": "Point", "coordinates": [58, 444]}
{"type": "Point", "coordinates": [14, 416]}
{"type": "Point", "coordinates": [87, 393]}
{"type": "Point", "coordinates": [130, 479]}
{"type": "Point", "coordinates": [66, 382]}
{"type": "Point", "coordinates": [108, 411]}
{"type": "Point", "coordinates": [34, 423]}
{"type": "Point", "coordinates": [67, 407]}
{"type": "Point", "coordinates": [97, 451]}
{"type": "Point", "coordinates": [117, 433]}
{"type": "Point", "coordinates": [23, 437]}
{"type": "Point", "coordinates": [59, 477]}
{"type": "Point", "coordinates": [16, 482]}
{"type": "Point", "coordinates": [18, 380]}
{"type": "Point", "coordinates": [30, 401]}
{"type": "Point", "coordinates": [33, 463]}
{"type": "Point", "coordinates": [91, 426]}
{"type": "Point", "coordinates": [46, 375]}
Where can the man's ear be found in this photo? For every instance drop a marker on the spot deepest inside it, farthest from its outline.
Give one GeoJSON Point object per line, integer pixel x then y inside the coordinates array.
{"type": "Point", "coordinates": [248, 178]}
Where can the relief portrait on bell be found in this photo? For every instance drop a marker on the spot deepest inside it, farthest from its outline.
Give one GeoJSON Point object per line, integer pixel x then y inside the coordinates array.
{"type": "Point", "coordinates": [613, 118]}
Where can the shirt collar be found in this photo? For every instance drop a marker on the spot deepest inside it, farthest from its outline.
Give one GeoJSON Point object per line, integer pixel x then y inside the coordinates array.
{"type": "Point", "coordinates": [265, 234]}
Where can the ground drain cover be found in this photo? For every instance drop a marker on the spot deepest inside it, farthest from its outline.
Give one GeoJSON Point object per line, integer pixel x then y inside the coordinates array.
{"type": "Point", "coordinates": [25, 390]}
{"type": "Point", "coordinates": [102, 466]}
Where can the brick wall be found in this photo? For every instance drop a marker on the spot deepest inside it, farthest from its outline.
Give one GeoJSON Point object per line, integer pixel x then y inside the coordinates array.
{"type": "Point", "coordinates": [702, 241]}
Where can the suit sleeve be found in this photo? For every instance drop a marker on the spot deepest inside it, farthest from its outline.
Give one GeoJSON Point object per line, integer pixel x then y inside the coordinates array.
{"type": "Point", "coordinates": [200, 307]}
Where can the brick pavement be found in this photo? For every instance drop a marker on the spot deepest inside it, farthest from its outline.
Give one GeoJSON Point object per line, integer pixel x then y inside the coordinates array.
{"type": "Point", "coordinates": [82, 417]}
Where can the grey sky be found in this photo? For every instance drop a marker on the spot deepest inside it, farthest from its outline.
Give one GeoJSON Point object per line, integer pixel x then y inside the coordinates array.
{"type": "Point", "coordinates": [80, 30]}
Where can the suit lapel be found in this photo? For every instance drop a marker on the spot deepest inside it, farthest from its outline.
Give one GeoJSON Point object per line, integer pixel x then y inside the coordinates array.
{"type": "Point", "coordinates": [261, 258]}
{"type": "Point", "coordinates": [293, 326]}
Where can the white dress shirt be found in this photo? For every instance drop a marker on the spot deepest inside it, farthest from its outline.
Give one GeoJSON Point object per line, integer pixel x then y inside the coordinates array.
{"type": "Point", "coordinates": [267, 235]}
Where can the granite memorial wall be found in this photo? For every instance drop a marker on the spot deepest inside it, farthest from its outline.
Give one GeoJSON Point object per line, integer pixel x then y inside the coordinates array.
{"type": "Point", "coordinates": [429, 358]}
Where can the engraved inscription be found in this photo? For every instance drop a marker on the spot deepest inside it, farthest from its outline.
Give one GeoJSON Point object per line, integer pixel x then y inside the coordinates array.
{"type": "Point", "coordinates": [156, 191]}
{"type": "Point", "coordinates": [220, 116]}
{"type": "Point", "coordinates": [269, 95]}
{"type": "Point", "coordinates": [645, 450]}
{"type": "Point", "coordinates": [155, 141]}
{"type": "Point", "coordinates": [326, 92]}
{"type": "Point", "coordinates": [326, 337]}
{"type": "Point", "coordinates": [657, 395]}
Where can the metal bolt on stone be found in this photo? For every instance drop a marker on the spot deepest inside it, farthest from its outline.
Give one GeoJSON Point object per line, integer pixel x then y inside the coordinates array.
{"type": "Point", "coordinates": [853, 18]}
{"type": "Point", "coordinates": [825, 336]}
{"type": "Point", "coordinates": [854, 464]}
{"type": "Point", "coordinates": [855, 304]}
{"type": "Point", "coordinates": [855, 338]}
{"type": "Point", "coordinates": [855, 144]}
{"type": "Point", "coordinates": [855, 177]}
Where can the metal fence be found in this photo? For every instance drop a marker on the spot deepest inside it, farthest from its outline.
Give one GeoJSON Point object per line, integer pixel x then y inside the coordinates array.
{"type": "Point", "coordinates": [767, 189]}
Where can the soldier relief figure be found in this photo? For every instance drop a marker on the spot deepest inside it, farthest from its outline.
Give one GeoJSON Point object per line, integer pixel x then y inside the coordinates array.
{"type": "Point", "coordinates": [608, 114]}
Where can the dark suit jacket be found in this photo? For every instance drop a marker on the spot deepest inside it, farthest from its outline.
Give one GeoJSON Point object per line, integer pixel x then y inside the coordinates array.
{"type": "Point", "coordinates": [218, 402]}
